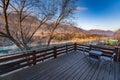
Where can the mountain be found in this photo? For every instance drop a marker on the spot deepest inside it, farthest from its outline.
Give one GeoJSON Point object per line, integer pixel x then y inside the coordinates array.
{"type": "Point", "coordinates": [101, 32]}
{"type": "Point", "coordinates": [117, 35]}
{"type": "Point", "coordinates": [60, 29]}
{"type": "Point", "coordinates": [73, 29]}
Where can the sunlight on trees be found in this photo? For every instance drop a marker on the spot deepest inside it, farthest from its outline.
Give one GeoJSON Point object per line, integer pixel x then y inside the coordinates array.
{"type": "Point", "coordinates": [117, 35]}
{"type": "Point", "coordinates": [23, 18]}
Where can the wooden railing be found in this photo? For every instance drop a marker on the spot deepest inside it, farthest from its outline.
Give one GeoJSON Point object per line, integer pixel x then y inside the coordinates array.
{"type": "Point", "coordinates": [31, 58]}
{"type": "Point", "coordinates": [107, 50]}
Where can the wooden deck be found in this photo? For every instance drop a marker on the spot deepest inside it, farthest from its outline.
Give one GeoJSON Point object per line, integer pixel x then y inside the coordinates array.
{"type": "Point", "coordinates": [71, 66]}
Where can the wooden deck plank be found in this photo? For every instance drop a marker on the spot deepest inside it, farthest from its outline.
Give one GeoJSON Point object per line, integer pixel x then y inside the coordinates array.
{"type": "Point", "coordinates": [49, 71]}
{"type": "Point", "coordinates": [107, 72]}
{"type": "Point", "coordinates": [70, 77]}
{"type": "Point", "coordinates": [33, 71]}
{"type": "Point", "coordinates": [84, 75]}
{"type": "Point", "coordinates": [112, 68]}
{"type": "Point", "coordinates": [101, 72]}
{"type": "Point", "coordinates": [92, 72]}
{"type": "Point", "coordinates": [71, 66]}
{"type": "Point", "coordinates": [60, 69]}
{"type": "Point", "coordinates": [94, 77]}
{"type": "Point", "coordinates": [76, 77]}
{"type": "Point", "coordinates": [117, 70]}
{"type": "Point", "coordinates": [70, 71]}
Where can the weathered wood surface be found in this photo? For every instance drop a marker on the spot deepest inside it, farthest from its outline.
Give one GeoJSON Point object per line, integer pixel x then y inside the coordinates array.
{"type": "Point", "coordinates": [14, 62]}
{"type": "Point", "coordinates": [31, 58]}
{"type": "Point", "coordinates": [71, 66]}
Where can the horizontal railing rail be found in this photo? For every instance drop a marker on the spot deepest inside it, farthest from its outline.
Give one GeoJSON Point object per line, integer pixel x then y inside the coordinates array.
{"type": "Point", "coordinates": [107, 50]}
{"type": "Point", "coordinates": [26, 59]}
{"type": "Point", "coordinates": [31, 58]}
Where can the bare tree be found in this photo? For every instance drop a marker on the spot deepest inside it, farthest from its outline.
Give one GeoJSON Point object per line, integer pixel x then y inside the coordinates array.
{"type": "Point", "coordinates": [64, 10]}
{"type": "Point", "coordinates": [22, 19]}
{"type": "Point", "coordinates": [117, 35]}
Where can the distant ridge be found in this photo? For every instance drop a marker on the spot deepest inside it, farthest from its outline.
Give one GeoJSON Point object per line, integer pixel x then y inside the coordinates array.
{"type": "Point", "coordinates": [62, 28]}
{"type": "Point", "coordinates": [101, 32]}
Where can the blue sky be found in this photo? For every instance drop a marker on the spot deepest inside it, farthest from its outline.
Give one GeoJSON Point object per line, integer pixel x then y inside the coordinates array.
{"type": "Point", "coordinates": [98, 14]}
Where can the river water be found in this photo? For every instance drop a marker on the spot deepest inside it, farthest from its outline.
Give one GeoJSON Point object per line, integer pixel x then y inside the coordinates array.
{"type": "Point", "coordinates": [4, 50]}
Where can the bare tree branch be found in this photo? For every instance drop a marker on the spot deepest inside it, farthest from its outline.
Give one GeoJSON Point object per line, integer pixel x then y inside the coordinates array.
{"type": "Point", "coordinates": [20, 29]}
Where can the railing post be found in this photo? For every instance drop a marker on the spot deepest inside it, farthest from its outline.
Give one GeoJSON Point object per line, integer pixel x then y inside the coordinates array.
{"type": "Point", "coordinates": [66, 48]}
{"type": "Point", "coordinates": [75, 46]}
{"type": "Point", "coordinates": [90, 47]}
{"type": "Point", "coordinates": [55, 52]}
{"type": "Point", "coordinates": [117, 50]}
{"type": "Point", "coordinates": [119, 54]}
{"type": "Point", "coordinates": [34, 57]}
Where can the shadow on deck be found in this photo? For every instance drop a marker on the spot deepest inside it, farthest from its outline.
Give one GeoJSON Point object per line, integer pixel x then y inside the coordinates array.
{"type": "Point", "coordinates": [71, 66]}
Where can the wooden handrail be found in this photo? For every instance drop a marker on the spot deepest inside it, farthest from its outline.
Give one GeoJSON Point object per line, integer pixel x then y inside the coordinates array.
{"type": "Point", "coordinates": [31, 58]}
{"type": "Point", "coordinates": [106, 50]}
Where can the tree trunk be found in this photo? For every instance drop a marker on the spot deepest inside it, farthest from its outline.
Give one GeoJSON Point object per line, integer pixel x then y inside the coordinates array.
{"type": "Point", "coordinates": [49, 41]}
{"type": "Point", "coordinates": [17, 44]}
{"type": "Point", "coordinates": [20, 46]}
